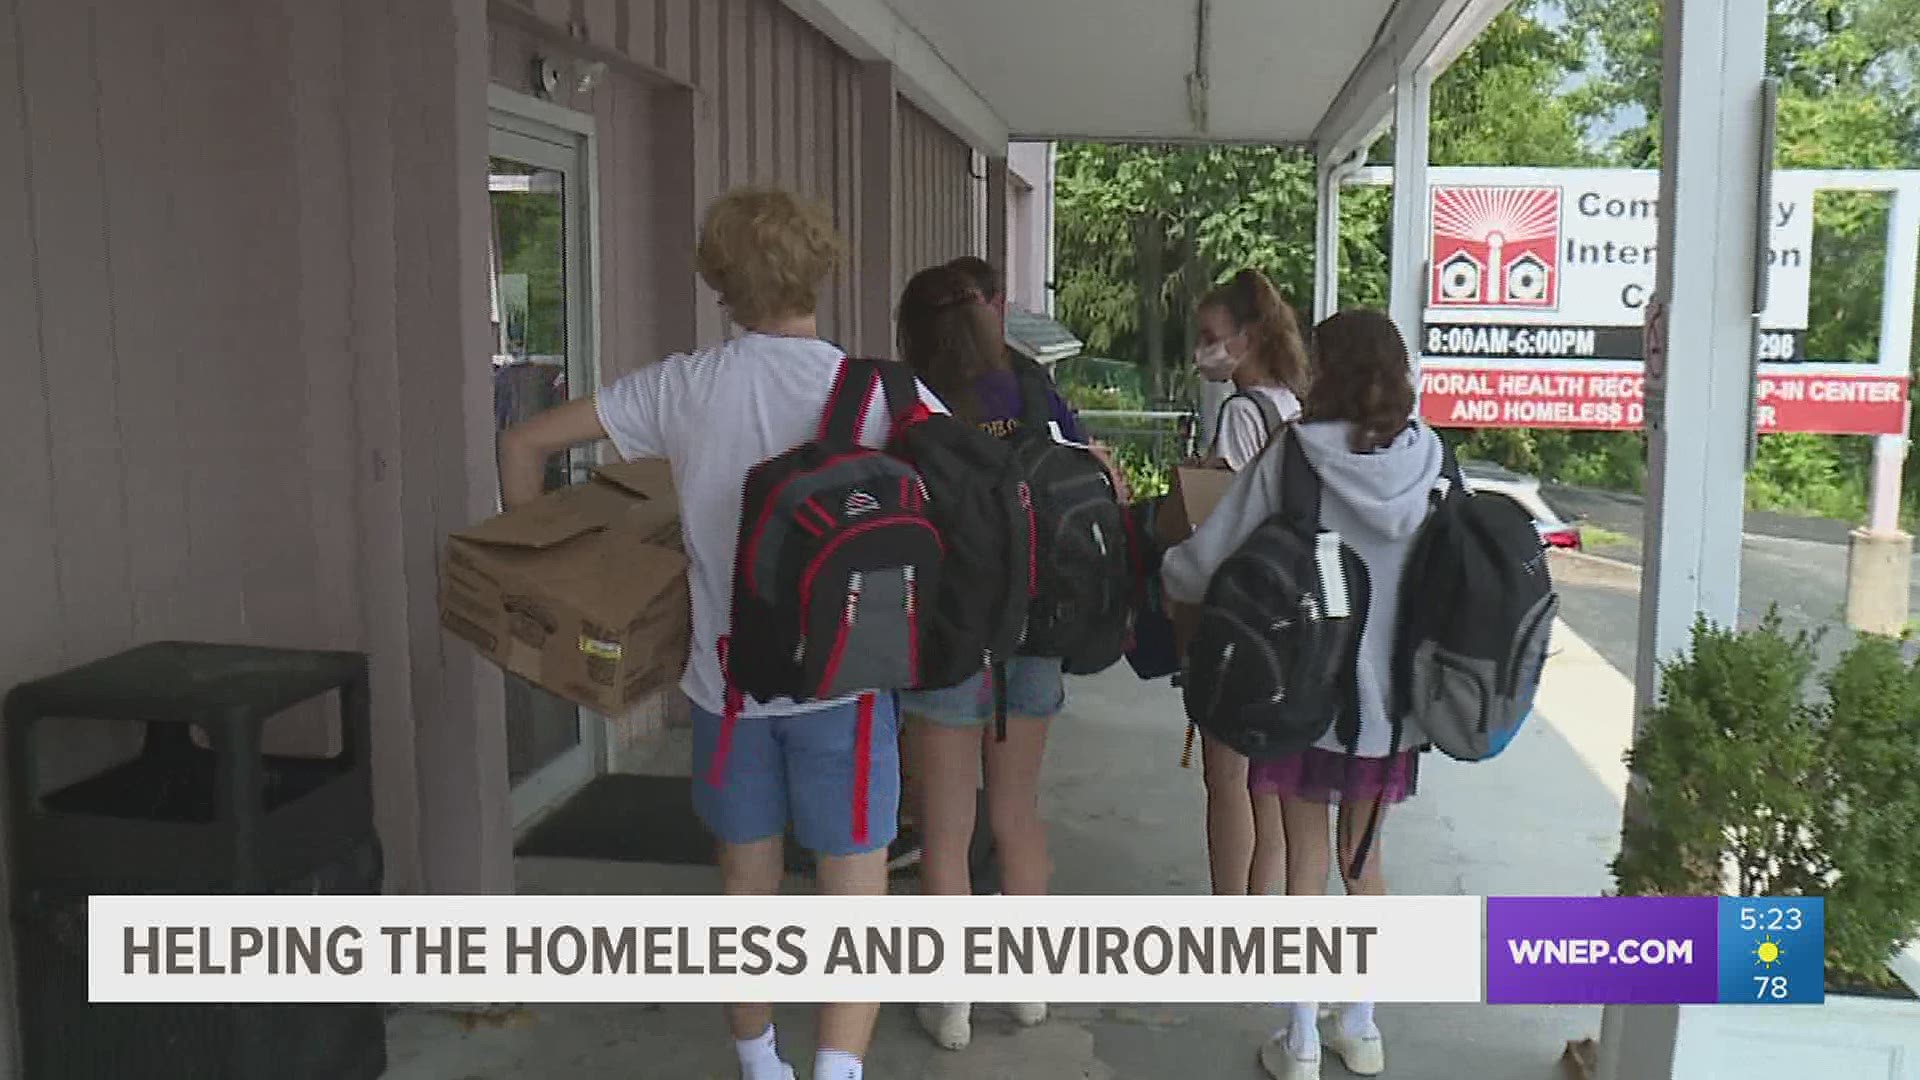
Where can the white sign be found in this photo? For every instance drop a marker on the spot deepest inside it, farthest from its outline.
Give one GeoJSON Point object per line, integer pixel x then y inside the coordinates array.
{"type": "Point", "coordinates": [1578, 247]}
{"type": "Point", "coordinates": [1535, 311]}
{"type": "Point", "coordinates": [446, 949]}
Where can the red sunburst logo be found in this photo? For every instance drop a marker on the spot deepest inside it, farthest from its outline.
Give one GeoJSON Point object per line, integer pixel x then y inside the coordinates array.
{"type": "Point", "coordinates": [1495, 247]}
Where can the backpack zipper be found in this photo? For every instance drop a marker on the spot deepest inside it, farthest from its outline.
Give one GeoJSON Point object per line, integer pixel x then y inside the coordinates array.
{"type": "Point", "coordinates": [813, 565]}
{"type": "Point", "coordinates": [1548, 606]}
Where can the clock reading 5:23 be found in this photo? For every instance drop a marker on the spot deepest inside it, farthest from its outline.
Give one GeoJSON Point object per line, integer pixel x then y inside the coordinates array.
{"type": "Point", "coordinates": [1772, 950]}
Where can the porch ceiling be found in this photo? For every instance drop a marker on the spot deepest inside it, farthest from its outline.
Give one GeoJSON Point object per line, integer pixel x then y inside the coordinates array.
{"type": "Point", "coordinates": [1312, 72]}
{"type": "Point", "coordinates": [1120, 69]}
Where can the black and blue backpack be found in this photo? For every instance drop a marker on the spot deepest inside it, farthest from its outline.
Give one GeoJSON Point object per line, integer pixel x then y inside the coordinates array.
{"type": "Point", "coordinates": [1477, 606]}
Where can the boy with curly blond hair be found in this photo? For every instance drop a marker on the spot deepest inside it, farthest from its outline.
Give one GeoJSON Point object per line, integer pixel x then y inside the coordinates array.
{"type": "Point", "coordinates": [715, 413]}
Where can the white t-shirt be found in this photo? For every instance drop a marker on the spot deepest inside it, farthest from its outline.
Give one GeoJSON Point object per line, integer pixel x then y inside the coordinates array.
{"type": "Point", "coordinates": [714, 415]}
{"type": "Point", "coordinates": [1243, 427]}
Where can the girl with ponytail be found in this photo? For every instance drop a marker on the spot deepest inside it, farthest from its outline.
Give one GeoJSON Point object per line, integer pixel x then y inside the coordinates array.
{"type": "Point", "coordinates": [1249, 336]}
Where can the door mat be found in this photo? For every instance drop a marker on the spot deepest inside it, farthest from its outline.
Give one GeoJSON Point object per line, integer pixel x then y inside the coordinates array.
{"type": "Point", "coordinates": [625, 818]}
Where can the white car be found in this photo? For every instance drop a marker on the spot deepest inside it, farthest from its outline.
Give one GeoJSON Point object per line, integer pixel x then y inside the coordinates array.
{"type": "Point", "coordinates": [1486, 478]}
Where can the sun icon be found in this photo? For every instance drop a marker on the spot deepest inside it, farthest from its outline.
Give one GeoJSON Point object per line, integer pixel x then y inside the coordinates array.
{"type": "Point", "coordinates": [1768, 953]}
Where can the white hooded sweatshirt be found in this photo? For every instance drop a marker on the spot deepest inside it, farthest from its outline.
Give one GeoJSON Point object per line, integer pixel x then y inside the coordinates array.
{"type": "Point", "coordinates": [1375, 500]}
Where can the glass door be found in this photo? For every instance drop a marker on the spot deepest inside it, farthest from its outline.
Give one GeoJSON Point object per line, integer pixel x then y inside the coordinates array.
{"type": "Point", "coordinates": [538, 251]}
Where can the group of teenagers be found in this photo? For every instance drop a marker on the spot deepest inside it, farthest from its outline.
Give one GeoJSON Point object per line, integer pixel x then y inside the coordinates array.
{"type": "Point", "coordinates": [827, 769]}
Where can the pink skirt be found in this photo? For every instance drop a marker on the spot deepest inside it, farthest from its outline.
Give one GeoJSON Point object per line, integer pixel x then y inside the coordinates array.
{"type": "Point", "coordinates": [1324, 776]}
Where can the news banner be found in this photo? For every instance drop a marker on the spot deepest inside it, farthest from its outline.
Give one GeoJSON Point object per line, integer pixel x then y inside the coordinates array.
{"type": "Point", "coordinates": [1068, 949]}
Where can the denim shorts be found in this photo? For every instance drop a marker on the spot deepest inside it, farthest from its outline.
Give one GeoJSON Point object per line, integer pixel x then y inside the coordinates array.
{"type": "Point", "coordinates": [1035, 688]}
{"type": "Point", "coordinates": [827, 773]}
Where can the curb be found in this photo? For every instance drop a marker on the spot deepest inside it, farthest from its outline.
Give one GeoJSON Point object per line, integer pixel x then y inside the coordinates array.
{"type": "Point", "coordinates": [1598, 560]}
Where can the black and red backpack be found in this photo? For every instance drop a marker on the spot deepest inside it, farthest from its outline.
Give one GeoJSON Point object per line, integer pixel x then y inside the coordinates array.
{"type": "Point", "coordinates": [837, 557]}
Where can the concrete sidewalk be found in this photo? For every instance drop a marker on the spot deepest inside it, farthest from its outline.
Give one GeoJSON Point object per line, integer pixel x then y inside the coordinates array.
{"type": "Point", "coordinates": [1125, 818]}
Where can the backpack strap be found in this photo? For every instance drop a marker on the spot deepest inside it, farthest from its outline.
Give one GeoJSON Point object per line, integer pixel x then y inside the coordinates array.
{"type": "Point", "coordinates": [1269, 415]}
{"type": "Point", "coordinates": [1372, 831]}
{"type": "Point", "coordinates": [1299, 486]}
{"type": "Point", "coordinates": [729, 718]}
{"type": "Point", "coordinates": [1452, 481]}
{"type": "Point", "coordinates": [862, 766]}
{"type": "Point", "coordinates": [846, 408]}
{"type": "Point", "coordinates": [1035, 409]}
{"type": "Point", "coordinates": [902, 389]}
{"type": "Point", "coordinates": [997, 671]}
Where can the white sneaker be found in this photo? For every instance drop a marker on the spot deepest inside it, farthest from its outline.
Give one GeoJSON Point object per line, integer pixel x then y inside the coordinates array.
{"type": "Point", "coordinates": [1029, 1013]}
{"type": "Point", "coordinates": [1363, 1055]}
{"type": "Point", "coordinates": [1280, 1063]}
{"type": "Point", "coordinates": [950, 1026]}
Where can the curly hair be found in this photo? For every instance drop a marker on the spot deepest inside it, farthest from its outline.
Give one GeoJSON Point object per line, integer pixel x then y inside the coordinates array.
{"type": "Point", "coordinates": [1273, 331]}
{"type": "Point", "coordinates": [949, 336]}
{"type": "Point", "coordinates": [1361, 375]}
{"type": "Point", "coordinates": [766, 251]}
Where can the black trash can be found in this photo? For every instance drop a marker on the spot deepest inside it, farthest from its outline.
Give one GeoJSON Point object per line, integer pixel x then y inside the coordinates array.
{"type": "Point", "coordinates": [201, 808]}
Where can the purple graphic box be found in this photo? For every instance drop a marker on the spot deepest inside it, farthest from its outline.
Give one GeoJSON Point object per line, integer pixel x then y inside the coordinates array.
{"type": "Point", "coordinates": [1603, 950]}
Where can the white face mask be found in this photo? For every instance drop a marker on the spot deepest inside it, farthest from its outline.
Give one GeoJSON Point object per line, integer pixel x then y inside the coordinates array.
{"type": "Point", "coordinates": [1214, 362]}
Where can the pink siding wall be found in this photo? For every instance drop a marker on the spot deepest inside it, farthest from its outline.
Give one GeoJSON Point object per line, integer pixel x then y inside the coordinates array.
{"type": "Point", "coordinates": [774, 102]}
{"type": "Point", "coordinates": [244, 372]}
{"type": "Point", "coordinates": [245, 295]}
{"type": "Point", "coordinates": [935, 214]}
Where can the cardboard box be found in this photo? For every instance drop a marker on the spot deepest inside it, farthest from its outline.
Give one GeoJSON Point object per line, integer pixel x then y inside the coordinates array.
{"type": "Point", "coordinates": [582, 592]}
{"type": "Point", "coordinates": [1195, 492]}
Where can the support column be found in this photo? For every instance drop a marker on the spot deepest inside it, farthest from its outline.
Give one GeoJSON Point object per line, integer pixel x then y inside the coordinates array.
{"type": "Point", "coordinates": [1880, 560]}
{"type": "Point", "coordinates": [878, 259]}
{"type": "Point", "coordinates": [1326, 242]}
{"type": "Point", "coordinates": [1046, 211]}
{"type": "Point", "coordinates": [996, 252]}
{"type": "Point", "coordinates": [1699, 405]}
{"type": "Point", "coordinates": [1412, 209]}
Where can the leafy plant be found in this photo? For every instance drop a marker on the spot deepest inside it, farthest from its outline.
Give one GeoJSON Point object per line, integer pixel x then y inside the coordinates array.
{"type": "Point", "coordinates": [1869, 820]}
{"type": "Point", "coordinates": [1148, 474]}
{"type": "Point", "coordinates": [1748, 782]}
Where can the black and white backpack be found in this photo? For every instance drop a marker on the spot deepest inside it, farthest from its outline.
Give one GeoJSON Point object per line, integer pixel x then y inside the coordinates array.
{"type": "Point", "coordinates": [836, 556]}
{"type": "Point", "coordinates": [1477, 606]}
{"type": "Point", "coordinates": [1271, 667]}
{"type": "Point", "coordinates": [1082, 601]}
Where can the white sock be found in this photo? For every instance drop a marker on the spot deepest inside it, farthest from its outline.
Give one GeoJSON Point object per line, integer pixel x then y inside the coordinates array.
{"type": "Point", "coordinates": [1356, 1021]}
{"type": "Point", "coordinates": [1303, 1031]}
{"type": "Point", "coordinates": [760, 1057]}
{"type": "Point", "coordinates": [836, 1065]}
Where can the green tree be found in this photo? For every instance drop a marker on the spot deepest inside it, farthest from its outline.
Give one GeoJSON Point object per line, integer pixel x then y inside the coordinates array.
{"type": "Point", "coordinates": [1848, 100]}
{"type": "Point", "coordinates": [1142, 231]}
{"type": "Point", "coordinates": [1503, 102]}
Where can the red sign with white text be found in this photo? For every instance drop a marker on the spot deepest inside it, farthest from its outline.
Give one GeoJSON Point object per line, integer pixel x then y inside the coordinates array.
{"type": "Point", "coordinates": [1615, 401]}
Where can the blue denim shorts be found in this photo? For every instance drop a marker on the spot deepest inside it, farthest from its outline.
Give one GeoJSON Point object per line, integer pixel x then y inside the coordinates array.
{"type": "Point", "coordinates": [1035, 688]}
{"type": "Point", "coordinates": [830, 775]}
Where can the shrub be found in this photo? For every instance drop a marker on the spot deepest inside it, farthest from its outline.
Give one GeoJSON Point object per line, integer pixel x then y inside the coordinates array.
{"type": "Point", "coordinates": [1743, 774]}
{"type": "Point", "coordinates": [1869, 820]}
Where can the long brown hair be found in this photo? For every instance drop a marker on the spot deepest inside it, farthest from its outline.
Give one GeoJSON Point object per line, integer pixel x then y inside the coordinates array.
{"type": "Point", "coordinates": [1273, 331]}
{"type": "Point", "coordinates": [1362, 375]}
{"type": "Point", "coordinates": [949, 336]}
